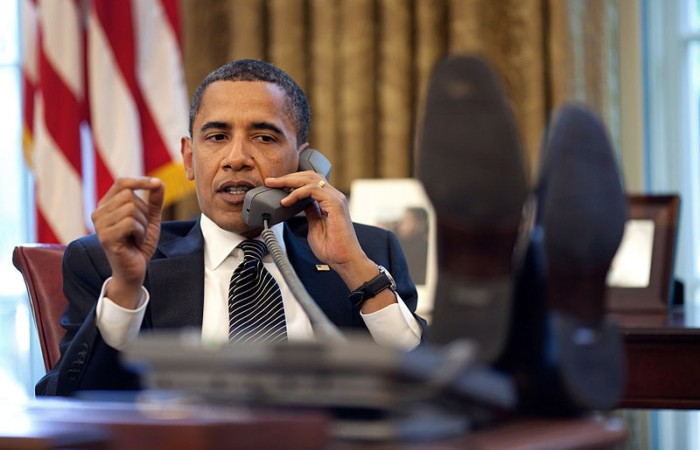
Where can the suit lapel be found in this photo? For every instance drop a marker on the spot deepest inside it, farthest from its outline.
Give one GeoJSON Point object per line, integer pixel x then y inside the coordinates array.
{"type": "Point", "coordinates": [325, 287]}
{"type": "Point", "coordinates": [175, 281]}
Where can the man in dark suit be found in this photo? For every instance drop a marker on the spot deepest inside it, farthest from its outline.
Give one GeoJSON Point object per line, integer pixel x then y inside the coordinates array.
{"type": "Point", "coordinates": [249, 122]}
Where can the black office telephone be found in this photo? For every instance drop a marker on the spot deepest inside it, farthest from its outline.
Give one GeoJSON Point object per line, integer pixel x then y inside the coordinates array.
{"type": "Point", "coordinates": [263, 203]}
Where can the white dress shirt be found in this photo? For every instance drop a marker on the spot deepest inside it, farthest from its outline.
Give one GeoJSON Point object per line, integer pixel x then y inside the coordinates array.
{"type": "Point", "coordinates": [393, 325]}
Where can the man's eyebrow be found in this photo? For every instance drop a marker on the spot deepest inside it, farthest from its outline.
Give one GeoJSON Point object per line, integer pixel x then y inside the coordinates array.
{"type": "Point", "coordinates": [267, 126]}
{"type": "Point", "coordinates": [215, 125]}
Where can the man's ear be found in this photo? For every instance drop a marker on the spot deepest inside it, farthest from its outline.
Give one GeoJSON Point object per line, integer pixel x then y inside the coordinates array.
{"type": "Point", "coordinates": [303, 147]}
{"type": "Point", "coordinates": [186, 152]}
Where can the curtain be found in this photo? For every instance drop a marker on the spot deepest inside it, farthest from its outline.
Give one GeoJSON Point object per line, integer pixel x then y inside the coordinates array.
{"type": "Point", "coordinates": [365, 64]}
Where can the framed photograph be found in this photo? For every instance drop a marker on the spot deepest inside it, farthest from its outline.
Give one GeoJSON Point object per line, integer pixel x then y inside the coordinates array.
{"type": "Point", "coordinates": [641, 274]}
{"type": "Point", "coordinates": [402, 206]}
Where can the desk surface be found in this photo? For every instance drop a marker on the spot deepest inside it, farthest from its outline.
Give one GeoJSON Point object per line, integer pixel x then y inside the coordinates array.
{"type": "Point", "coordinates": [520, 434]}
{"type": "Point", "coordinates": [663, 359]}
{"type": "Point", "coordinates": [55, 423]}
{"type": "Point", "coordinates": [59, 424]}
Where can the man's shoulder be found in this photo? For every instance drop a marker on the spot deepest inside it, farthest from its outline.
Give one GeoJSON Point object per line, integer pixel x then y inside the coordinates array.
{"type": "Point", "coordinates": [169, 231]}
{"type": "Point", "coordinates": [178, 238]}
{"type": "Point", "coordinates": [370, 229]}
{"type": "Point", "coordinates": [176, 228]}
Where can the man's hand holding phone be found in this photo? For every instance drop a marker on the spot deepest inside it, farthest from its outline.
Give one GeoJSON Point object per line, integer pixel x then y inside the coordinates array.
{"type": "Point", "coordinates": [331, 234]}
{"type": "Point", "coordinates": [128, 227]}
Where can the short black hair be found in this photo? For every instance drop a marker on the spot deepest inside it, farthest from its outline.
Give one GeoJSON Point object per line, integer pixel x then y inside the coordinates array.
{"type": "Point", "coordinates": [254, 70]}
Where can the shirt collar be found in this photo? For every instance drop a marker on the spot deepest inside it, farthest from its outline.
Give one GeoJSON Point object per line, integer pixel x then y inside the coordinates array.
{"type": "Point", "coordinates": [219, 243]}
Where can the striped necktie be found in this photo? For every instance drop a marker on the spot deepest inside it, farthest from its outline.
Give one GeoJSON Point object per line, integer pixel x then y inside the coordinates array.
{"type": "Point", "coordinates": [256, 312]}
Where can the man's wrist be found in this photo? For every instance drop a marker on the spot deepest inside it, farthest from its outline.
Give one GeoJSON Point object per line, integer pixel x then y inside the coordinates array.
{"type": "Point", "coordinates": [358, 273]}
{"type": "Point", "coordinates": [125, 295]}
{"type": "Point", "coordinates": [373, 287]}
{"type": "Point", "coordinates": [354, 274]}
{"type": "Point", "coordinates": [118, 325]}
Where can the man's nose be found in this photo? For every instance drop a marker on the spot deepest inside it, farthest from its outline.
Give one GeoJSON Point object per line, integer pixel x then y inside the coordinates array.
{"type": "Point", "coordinates": [237, 154]}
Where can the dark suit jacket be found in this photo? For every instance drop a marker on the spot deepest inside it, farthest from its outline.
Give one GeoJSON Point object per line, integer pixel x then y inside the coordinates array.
{"type": "Point", "coordinates": [175, 281]}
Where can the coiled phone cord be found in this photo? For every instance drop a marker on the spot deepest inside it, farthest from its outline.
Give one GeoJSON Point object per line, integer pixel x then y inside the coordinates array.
{"type": "Point", "coordinates": [322, 326]}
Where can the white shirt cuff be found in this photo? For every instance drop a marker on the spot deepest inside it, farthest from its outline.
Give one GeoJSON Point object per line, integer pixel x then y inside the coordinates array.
{"type": "Point", "coordinates": [394, 326]}
{"type": "Point", "coordinates": [120, 326]}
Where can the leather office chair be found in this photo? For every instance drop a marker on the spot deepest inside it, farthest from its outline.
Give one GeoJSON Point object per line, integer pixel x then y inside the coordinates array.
{"type": "Point", "coordinates": [40, 265]}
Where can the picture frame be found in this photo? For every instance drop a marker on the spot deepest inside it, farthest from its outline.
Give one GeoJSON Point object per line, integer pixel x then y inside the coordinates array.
{"type": "Point", "coordinates": [394, 204]}
{"type": "Point", "coordinates": [641, 275]}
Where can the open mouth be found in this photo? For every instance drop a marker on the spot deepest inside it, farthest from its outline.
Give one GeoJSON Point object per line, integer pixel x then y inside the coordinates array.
{"type": "Point", "coordinates": [236, 190]}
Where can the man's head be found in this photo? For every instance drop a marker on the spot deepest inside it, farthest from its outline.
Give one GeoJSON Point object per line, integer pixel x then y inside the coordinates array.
{"type": "Point", "coordinates": [248, 121]}
{"type": "Point", "coordinates": [253, 70]}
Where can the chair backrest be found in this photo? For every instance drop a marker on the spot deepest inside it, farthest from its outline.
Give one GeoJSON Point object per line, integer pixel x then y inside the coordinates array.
{"type": "Point", "coordinates": [40, 265]}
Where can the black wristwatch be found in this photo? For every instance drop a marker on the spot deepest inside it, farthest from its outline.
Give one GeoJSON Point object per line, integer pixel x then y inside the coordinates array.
{"type": "Point", "coordinates": [373, 287]}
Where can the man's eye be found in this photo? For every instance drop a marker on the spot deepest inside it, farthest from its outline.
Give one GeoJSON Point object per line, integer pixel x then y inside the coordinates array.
{"type": "Point", "coordinates": [264, 138]}
{"type": "Point", "coordinates": [218, 137]}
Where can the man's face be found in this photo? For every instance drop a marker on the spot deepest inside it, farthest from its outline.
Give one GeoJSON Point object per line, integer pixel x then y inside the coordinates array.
{"type": "Point", "coordinates": [241, 135]}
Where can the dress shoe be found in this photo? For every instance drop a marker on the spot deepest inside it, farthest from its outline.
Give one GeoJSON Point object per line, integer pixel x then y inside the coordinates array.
{"type": "Point", "coordinates": [565, 354]}
{"type": "Point", "coordinates": [472, 167]}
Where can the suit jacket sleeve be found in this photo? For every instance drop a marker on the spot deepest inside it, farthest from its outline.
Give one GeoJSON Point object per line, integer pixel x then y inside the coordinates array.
{"type": "Point", "coordinates": [396, 264]}
{"type": "Point", "coordinates": [87, 362]}
{"type": "Point", "coordinates": [329, 290]}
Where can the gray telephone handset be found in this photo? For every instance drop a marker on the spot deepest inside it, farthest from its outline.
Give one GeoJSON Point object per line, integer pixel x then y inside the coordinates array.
{"type": "Point", "coordinates": [263, 203]}
{"type": "Point", "coordinates": [261, 208]}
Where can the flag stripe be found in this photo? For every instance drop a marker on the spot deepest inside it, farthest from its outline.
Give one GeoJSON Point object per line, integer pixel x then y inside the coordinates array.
{"type": "Point", "coordinates": [161, 79]}
{"type": "Point", "coordinates": [61, 27]}
{"type": "Point", "coordinates": [58, 187]}
{"type": "Point", "coordinates": [113, 68]}
{"type": "Point", "coordinates": [115, 18]}
{"type": "Point", "coordinates": [58, 113]}
{"type": "Point", "coordinates": [43, 228]}
{"type": "Point", "coordinates": [170, 7]}
{"type": "Point", "coordinates": [63, 120]}
{"type": "Point", "coordinates": [103, 177]}
{"type": "Point", "coordinates": [114, 115]}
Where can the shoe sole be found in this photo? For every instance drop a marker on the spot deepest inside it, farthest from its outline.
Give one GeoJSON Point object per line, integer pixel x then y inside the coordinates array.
{"type": "Point", "coordinates": [583, 211]}
{"type": "Point", "coordinates": [472, 168]}
{"type": "Point", "coordinates": [582, 215]}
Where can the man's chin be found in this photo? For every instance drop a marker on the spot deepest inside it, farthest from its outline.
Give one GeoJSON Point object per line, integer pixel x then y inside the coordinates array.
{"type": "Point", "coordinates": [232, 222]}
{"type": "Point", "coordinates": [251, 233]}
{"type": "Point", "coordinates": [240, 227]}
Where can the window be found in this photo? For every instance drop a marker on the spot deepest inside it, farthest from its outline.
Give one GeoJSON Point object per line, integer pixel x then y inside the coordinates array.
{"type": "Point", "coordinates": [20, 358]}
{"type": "Point", "coordinates": [671, 52]}
{"type": "Point", "coordinates": [672, 90]}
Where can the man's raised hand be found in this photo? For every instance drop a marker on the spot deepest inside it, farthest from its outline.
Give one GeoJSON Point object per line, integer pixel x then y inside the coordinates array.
{"type": "Point", "coordinates": [128, 227]}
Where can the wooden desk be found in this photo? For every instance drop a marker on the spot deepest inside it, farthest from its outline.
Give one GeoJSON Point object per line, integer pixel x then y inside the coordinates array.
{"type": "Point", "coordinates": [55, 423]}
{"type": "Point", "coordinates": [32, 435]}
{"type": "Point", "coordinates": [50, 425]}
{"type": "Point", "coordinates": [522, 434]}
{"type": "Point", "coordinates": [663, 360]}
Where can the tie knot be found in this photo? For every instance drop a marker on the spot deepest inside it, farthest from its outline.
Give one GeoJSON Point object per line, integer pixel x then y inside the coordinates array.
{"type": "Point", "coordinates": [253, 249]}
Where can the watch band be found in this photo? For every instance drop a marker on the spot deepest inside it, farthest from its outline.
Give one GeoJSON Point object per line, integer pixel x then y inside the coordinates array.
{"type": "Point", "coordinates": [371, 288]}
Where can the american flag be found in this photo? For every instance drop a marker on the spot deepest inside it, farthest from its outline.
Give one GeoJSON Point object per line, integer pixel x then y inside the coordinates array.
{"type": "Point", "coordinates": [104, 96]}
